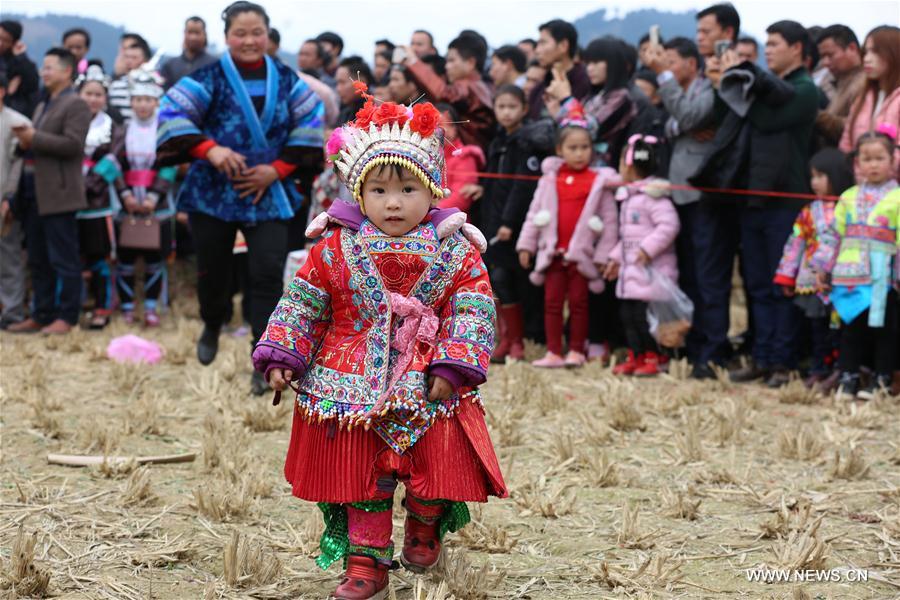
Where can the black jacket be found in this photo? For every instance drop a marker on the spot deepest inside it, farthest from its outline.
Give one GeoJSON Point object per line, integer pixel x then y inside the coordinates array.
{"type": "Point", "coordinates": [505, 201]}
{"type": "Point", "coordinates": [766, 147]}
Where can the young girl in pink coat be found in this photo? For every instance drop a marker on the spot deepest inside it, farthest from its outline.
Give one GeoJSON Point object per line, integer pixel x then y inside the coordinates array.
{"type": "Point", "coordinates": [568, 233]}
{"type": "Point", "coordinates": [647, 228]}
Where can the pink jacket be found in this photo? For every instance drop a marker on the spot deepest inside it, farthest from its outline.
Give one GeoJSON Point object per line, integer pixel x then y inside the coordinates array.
{"type": "Point", "coordinates": [463, 166]}
{"type": "Point", "coordinates": [865, 121]}
{"type": "Point", "coordinates": [649, 224]}
{"type": "Point", "coordinates": [595, 233]}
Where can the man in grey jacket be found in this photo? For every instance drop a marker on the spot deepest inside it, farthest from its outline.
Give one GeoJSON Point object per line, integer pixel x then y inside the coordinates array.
{"type": "Point", "coordinates": [56, 144]}
{"type": "Point", "coordinates": [688, 98]}
{"type": "Point", "coordinates": [709, 235]}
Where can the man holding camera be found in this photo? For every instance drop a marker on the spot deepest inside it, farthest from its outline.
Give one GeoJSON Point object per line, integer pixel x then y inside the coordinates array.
{"type": "Point", "coordinates": [709, 226]}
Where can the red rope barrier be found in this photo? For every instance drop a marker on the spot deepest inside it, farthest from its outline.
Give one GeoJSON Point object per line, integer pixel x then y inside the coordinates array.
{"type": "Point", "coordinates": [673, 186]}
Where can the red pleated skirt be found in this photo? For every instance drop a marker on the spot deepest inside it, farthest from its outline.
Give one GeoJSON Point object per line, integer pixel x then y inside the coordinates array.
{"type": "Point", "coordinates": [454, 460]}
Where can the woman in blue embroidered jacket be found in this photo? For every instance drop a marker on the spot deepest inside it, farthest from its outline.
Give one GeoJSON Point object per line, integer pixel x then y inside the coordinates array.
{"type": "Point", "coordinates": [249, 123]}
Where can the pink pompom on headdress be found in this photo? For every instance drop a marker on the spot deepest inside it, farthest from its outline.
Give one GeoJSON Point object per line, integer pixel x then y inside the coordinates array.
{"type": "Point", "coordinates": [888, 129]}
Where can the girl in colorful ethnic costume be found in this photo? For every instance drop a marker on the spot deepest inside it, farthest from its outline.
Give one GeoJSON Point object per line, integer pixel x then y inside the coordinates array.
{"type": "Point", "coordinates": [144, 193]}
{"type": "Point", "coordinates": [388, 329]}
{"type": "Point", "coordinates": [860, 254]}
{"type": "Point", "coordinates": [831, 174]}
{"type": "Point", "coordinates": [249, 124]}
{"type": "Point", "coordinates": [95, 234]}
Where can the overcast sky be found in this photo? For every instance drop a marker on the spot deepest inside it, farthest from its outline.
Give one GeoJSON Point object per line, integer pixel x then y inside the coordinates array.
{"type": "Point", "coordinates": [501, 21]}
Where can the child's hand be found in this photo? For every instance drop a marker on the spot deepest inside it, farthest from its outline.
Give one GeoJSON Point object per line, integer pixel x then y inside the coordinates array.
{"type": "Point", "coordinates": [504, 234]}
{"type": "Point", "coordinates": [611, 271]}
{"type": "Point", "coordinates": [643, 258]}
{"type": "Point", "coordinates": [788, 291]}
{"type": "Point", "coordinates": [439, 389]}
{"type": "Point", "coordinates": [822, 282]}
{"type": "Point", "coordinates": [525, 259]}
{"type": "Point", "coordinates": [473, 191]}
{"type": "Point", "coordinates": [280, 379]}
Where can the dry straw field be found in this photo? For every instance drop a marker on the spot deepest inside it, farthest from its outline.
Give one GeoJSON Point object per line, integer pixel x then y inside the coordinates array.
{"type": "Point", "coordinates": [620, 489]}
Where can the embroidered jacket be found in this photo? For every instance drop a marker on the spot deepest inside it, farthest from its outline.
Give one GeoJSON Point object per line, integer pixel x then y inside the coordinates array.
{"type": "Point", "coordinates": [810, 230]}
{"type": "Point", "coordinates": [214, 103]}
{"type": "Point", "coordinates": [866, 221]}
{"type": "Point", "coordinates": [339, 327]}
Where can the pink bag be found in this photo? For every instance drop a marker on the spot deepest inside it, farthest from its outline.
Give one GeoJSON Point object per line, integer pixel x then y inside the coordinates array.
{"type": "Point", "coordinates": [134, 349]}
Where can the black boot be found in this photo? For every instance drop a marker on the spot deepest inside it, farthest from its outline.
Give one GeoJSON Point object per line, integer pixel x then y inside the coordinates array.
{"type": "Point", "coordinates": [848, 386]}
{"type": "Point", "coordinates": [878, 383]}
{"type": "Point", "coordinates": [258, 385]}
{"type": "Point", "coordinates": [208, 345]}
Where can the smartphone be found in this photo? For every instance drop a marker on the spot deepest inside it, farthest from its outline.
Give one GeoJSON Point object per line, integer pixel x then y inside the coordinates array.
{"type": "Point", "coordinates": [722, 46]}
{"type": "Point", "coordinates": [399, 55]}
{"type": "Point", "coordinates": [654, 35]}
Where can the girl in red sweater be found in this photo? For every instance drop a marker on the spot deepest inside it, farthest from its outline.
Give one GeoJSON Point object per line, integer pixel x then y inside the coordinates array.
{"type": "Point", "coordinates": [569, 231]}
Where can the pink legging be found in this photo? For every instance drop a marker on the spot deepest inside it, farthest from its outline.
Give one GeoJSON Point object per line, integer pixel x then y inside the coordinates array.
{"type": "Point", "coordinates": [565, 284]}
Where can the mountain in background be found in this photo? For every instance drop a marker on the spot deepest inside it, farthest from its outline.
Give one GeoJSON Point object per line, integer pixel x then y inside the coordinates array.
{"type": "Point", "coordinates": [634, 25]}
{"type": "Point", "coordinates": [44, 32]}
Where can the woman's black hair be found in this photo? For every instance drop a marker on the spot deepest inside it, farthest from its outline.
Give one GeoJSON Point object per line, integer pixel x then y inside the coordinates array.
{"type": "Point", "coordinates": [358, 69]}
{"type": "Point", "coordinates": [610, 51]}
{"type": "Point", "coordinates": [643, 157]}
{"type": "Point", "coordinates": [445, 107]}
{"type": "Point", "coordinates": [241, 6]}
{"type": "Point", "coordinates": [836, 167]}
{"type": "Point", "coordinates": [511, 89]}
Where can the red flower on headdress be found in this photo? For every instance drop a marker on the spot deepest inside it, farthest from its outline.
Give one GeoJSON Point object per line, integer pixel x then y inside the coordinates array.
{"type": "Point", "coordinates": [361, 88]}
{"type": "Point", "coordinates": [389, 113]}
{"type": "Point", "coordinates": [425, 119]}
{"type": "Point", "coordinates": [365, 115]}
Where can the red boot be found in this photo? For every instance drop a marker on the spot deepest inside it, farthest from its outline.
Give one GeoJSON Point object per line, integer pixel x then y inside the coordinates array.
{"type": "Point", "coordinates": [650, 366]}
{"type": "Point", "coordinates": [628, 367]}
{"type": "Point", "coordinates": [502, 348]}
{"type": "Point", "coordinates": [421, 546]}
{"type": "Point", "coordinates": [512, 314]}
{"type": "Point", "coordinates": [364, 579]}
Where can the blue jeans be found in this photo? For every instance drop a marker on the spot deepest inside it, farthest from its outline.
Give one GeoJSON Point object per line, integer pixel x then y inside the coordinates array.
{"type": "Point", "coordinates": [776, 319]}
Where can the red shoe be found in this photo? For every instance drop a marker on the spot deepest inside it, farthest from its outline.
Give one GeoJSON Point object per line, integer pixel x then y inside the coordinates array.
{"type": "Point", "coordinates": [421, 546]}
{"type": "Point", "coordinates": [628, 367]}
{"type": "Point", "coordinates": [650, 366]}
{"type": "Point", "coordinates": [512, 314]}
{"type": "Point", "coordinates": [151, 318]}
{"type": "Point", "coordinates": [516, 351]}
{"type": "Point", "coordinates": [500, 352]}
{"type": "Point", "coordinates": [364, 579]}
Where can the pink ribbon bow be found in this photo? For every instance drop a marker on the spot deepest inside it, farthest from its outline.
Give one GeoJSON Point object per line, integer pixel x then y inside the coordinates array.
{"type": "Point", "coordinates": [420, 324]}
{"type": "Point", "coordinates": [629, 154]}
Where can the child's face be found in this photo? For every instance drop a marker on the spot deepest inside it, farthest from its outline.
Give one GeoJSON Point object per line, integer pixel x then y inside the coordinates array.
{"type": "Point", "coordinates": [576, 149]}
{"type": "Point", "coordinates": [818, 181]}
{"type": "Point", "coordinates": [395, 205]}
{"type": "Point", "coordinates": [94, 94]}
{"type": "Point", "coordinates": [144, 106]}
{"type": "Point", "coordinates": [509, 111]}
{"type": "Point", "coordinates": [875, 162]}
{"type": "Point", "coordinates": [627, 172]}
